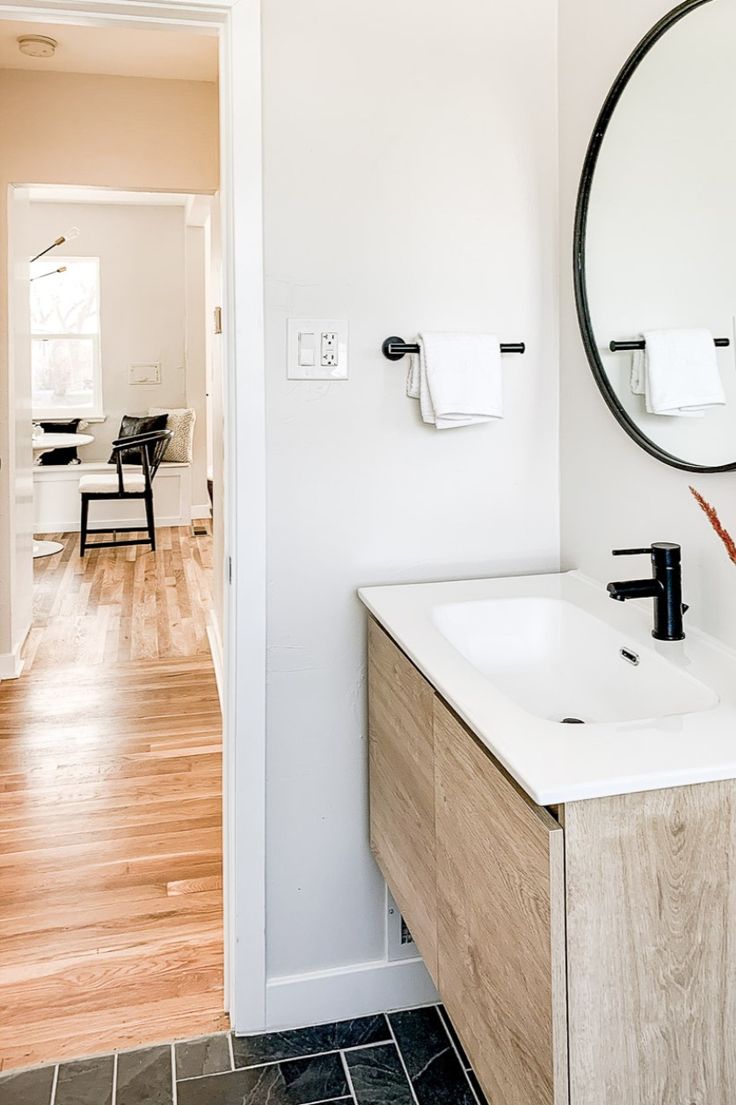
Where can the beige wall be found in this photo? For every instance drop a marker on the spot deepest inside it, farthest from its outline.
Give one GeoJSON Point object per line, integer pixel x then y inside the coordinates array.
{"type": "Point", "coordinates": [614, 494]}
{"type": "Point", "coordinates": [118, 132]}
{"type": "Point", "coordinates": [121, 132]}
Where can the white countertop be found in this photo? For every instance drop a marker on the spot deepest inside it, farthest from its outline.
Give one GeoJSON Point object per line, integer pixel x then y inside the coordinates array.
{"type": "Point", "coordinates": [554, 762]}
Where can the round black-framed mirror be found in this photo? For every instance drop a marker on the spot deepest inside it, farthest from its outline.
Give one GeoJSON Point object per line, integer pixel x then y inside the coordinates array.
{"type": "Point", "coordinates": [640, 269]}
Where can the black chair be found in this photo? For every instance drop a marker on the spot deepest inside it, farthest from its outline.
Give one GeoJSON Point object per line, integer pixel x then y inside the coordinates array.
{"type": "Point", "coordinates": [144, 449]}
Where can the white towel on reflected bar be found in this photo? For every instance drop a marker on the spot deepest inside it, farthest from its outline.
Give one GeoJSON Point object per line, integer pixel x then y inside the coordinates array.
{"type": "Point", "coordinates": [457, 378]}
{"type": "Point", "coordinates": [677, 373]}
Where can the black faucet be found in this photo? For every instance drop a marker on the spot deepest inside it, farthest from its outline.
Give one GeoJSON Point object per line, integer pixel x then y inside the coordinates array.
{"type": "Point", "coordinates": [664, 586]}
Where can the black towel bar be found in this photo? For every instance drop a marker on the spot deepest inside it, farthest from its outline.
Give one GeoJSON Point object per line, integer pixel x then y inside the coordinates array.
{"type": "Point", "coordinates": [621, 346]}
{"type": "Point", "coordinates": [396, 348]}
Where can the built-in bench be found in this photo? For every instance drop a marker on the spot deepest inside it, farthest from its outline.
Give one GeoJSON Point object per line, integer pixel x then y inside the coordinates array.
{"type": "Point", "coordinates": [57, 502]}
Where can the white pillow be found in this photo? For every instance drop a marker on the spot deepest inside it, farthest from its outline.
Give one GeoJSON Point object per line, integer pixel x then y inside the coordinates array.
{"type": "Point", "coordinates": [181, 423]}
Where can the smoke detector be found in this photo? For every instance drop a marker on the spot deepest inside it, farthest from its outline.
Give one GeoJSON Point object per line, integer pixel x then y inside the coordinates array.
{"type": "Point", "coordinates": [37, 46]}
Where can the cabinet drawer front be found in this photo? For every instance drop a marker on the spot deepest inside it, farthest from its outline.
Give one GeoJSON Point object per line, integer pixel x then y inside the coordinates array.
{"type": "Point", "coordinates": [402, 786]}
{"type": "Point", "coordinates": [500, 932]}
{"type": "Point", "coordinates": [651, 931]}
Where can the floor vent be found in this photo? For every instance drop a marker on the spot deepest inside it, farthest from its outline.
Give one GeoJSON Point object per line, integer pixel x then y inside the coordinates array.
{"type": "Point", "coordinates": [399, 940]}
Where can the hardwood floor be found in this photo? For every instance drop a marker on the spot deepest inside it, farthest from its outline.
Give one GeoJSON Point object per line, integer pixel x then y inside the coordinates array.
{"type": "Point", "coordinates": [122, 604]}
{"type": "Point", "coordinates": [110, 808]}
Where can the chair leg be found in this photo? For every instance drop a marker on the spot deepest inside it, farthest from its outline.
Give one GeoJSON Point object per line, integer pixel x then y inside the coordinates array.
{"type": "Point", "coordinates": [151, 521]}
{"type": "Point", "coordinates": [83, 527]}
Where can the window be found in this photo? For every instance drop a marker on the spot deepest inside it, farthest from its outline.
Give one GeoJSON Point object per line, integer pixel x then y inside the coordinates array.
{"type": "Point", "coordinates": [65, 337]}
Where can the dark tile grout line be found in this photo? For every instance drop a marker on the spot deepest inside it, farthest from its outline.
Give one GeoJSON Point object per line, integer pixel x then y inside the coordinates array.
{"type": "Point", "coordinates": [174, 1080]}
{"type": "Point", "coordinates": [444, 1017]}
{"type": "Point", "coordinates": [54, 1083]}
{"type": "Point", "coordinates": [290, 1059]}
{"type": "Point", "coordinates": [412, 1091]}
{"type": "Point", "coordinates": [329, 1100]}
{"type": "Point", "coordinates": [444, 1021]}
{"type": "Point", "coordinates": [348, 1076]}
{"type": "Point", "coordinates": [309, 1055]}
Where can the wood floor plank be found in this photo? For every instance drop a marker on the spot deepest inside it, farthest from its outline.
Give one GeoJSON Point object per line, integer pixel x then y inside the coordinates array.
{"type": "Point", "coordinates": [111, 808]}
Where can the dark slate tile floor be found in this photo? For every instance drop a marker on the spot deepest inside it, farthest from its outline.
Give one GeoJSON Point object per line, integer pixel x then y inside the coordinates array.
{"type": "Point", "coordinates": [412, 1057]}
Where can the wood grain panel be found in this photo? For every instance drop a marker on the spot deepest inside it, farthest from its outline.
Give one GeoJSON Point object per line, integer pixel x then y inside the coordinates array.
{"type": "Point", "coordinates": [402, 786]}
{"type": "Point", "coordinates": [651, 938]}
{"type": "Point", "coordinates": [500, 932]}
{"type": "Point", "coordinates": [110, 808]}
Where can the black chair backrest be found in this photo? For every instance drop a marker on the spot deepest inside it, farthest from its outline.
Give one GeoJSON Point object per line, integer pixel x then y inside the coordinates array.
{"type": "Point", "coordinates": [148, 451]}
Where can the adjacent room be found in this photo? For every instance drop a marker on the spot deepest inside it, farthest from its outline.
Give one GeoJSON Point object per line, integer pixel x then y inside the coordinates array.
{"type": "Point", "coordinates": [119, 315]}
{"type": "Point", "coordinates": [110, 760]}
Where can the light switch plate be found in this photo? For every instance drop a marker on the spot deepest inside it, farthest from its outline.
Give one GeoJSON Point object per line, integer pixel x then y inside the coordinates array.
{"type": "Point", "coordinates": [144, 373]}
{"type": "Point", "coordinates": [329, 340]}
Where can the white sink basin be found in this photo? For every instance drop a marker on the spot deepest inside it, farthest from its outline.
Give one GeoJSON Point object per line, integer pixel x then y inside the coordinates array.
{"type": "Point", "coordinates": [515, 657]}
{"type": "Point", "coordinates": [559, 662]}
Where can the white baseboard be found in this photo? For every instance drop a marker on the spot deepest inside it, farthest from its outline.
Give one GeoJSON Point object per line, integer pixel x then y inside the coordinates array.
{"type": "Point", "coordinates": [11, 664]}
{"type": "Point", "coordinates": [295, 1001]}
{"type": "Point", "coordinates": [110, 524]}
{"type": "Point", "coordinates": [199, 512]}
{"type": "Point", "coordinates": [218, 658]}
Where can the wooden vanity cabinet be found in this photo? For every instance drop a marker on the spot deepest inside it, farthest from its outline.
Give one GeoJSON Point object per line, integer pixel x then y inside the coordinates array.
{"type": "Point", "coordinates": [586, 957]}
{"type": "Point", "coordinates": [500, 922]}
{"type": "Point", "coordinates": [401, 765]}
{"type": "Point", "coordinates": [477, 872]}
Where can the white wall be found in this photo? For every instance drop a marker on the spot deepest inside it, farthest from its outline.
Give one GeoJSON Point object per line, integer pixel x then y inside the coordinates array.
{"type": "Point", "coordinates": [16, 604]}
{"type": "Point", "coordinates": [197, 318]}
{"type": "Point", "coordinates": [410, 182]}
{"type": "Point", "coordinates": [152, 305]}
{"type": "Point", "coordinates": [614, 494]}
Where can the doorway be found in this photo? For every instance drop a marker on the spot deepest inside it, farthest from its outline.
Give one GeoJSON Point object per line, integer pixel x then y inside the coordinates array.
{"type": "Point", "coordinates": [222, 650]}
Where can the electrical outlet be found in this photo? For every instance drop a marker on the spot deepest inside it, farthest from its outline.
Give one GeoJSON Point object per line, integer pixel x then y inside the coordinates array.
{"type": "Point", "coordinates": [329, 349]}
{"type": "Point", "coordinates": [317, 349]}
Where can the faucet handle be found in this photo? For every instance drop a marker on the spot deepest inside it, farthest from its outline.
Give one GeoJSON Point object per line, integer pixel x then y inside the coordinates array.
{"type": "Point", "coordinates": [666, 554]}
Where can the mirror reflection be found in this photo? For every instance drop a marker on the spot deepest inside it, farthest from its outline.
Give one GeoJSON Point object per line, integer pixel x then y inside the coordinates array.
{"type": "Point", "coordinates": [660, 255]}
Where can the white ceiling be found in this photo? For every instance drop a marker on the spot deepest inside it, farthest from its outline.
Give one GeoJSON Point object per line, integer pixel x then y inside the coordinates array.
{"type": "Point", "coordinates": [122, 52]}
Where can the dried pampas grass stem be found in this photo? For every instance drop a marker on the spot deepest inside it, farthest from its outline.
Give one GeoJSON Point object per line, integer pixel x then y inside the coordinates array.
{"type": "Point", "coordinates": [712, 515]}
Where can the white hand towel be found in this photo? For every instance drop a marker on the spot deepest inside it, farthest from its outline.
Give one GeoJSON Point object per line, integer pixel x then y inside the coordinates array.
{"type": "Point", "coordinates": [677, 372]}
{"type": "Point", "coordinates": [458, 379]}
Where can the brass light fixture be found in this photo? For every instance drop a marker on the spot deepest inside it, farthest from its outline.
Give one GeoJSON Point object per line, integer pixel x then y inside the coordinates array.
{"type": "Point", "coordinates": [51, 272]}
{"type": "Point", "coordinates": [68, 236]}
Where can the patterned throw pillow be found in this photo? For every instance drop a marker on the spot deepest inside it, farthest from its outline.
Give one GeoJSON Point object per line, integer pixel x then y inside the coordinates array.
{"type": "Point", "coordinates": [181, 423]}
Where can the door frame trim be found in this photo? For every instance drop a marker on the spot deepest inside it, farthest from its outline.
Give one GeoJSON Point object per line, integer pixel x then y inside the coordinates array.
{"type": "Point", "coordinates": [238, 26]}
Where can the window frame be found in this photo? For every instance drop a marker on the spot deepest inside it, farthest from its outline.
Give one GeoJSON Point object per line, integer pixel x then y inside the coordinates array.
{"type": "Point", "coordinates": [96, 411]}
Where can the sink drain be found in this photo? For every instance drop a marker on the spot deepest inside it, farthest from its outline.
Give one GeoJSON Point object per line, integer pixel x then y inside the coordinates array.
{"type": "Point", "coordinates": [572, 721]}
